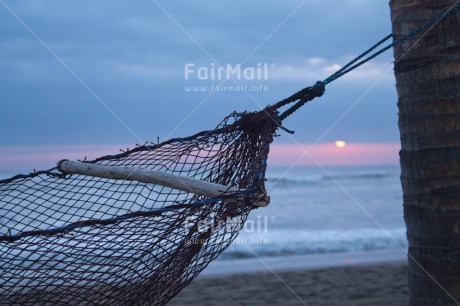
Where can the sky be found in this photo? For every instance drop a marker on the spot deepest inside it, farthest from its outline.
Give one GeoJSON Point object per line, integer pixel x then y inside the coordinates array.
{"type": "Point", "coordinates": [82, 78]}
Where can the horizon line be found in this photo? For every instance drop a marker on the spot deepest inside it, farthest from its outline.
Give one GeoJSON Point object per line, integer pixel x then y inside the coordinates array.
{"type": "Point", "coordinates": [20, 158]}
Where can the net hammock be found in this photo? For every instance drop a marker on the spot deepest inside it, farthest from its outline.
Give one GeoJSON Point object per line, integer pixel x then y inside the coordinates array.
{"type": "Point", "coordinates": [73, 239]}
{"type": "Point", "coordinates": [137, 227]}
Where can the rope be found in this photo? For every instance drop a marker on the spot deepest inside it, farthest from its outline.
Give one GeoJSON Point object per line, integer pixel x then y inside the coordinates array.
{"type": "Point", "coordinates": [88, 223]}
{"type": "Point", "coordinates": [317, 90]}
{"type": "Point", "coordinates": [342, 71]}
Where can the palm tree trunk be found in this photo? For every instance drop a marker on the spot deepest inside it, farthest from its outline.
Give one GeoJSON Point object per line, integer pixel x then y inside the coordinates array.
{"type": "Point", "coordinates": [427, 74]}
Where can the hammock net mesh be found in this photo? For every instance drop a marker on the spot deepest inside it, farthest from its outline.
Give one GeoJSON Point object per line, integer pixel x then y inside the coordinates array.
{"type": "Point", "coordinates": [79, 239]}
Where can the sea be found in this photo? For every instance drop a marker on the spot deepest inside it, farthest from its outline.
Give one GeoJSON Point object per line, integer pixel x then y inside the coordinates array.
{"type": "Point", "coordinates": [316, 211]}
{"type": "Point", "coordinates": [321, 211]}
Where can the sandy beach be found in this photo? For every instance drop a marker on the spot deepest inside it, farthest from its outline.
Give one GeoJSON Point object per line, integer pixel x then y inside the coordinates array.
{"type": "Point", "coordinates": [368, 284]}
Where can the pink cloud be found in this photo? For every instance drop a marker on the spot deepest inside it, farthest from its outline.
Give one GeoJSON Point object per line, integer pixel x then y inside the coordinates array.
{"type": "Point", "coordinates": [328, 154]}
{"type": "Point", "coordinates": [44, 157]}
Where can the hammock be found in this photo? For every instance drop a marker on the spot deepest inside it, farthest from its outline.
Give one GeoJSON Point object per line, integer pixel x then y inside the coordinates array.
{"type": "Point", "coordinates": [132, 228]}
{"type": "Point", "coordinates": [137, 227]}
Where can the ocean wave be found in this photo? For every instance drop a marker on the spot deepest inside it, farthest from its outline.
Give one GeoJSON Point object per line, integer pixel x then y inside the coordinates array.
{"type": "Point", "coordinates": [285, 243]}
{"type": "Point", "coordinates": [288, 182]}
{"type": "Point", "coordinates": [295, 182]}
{"type": "Point", "coordinates": [358, 176]}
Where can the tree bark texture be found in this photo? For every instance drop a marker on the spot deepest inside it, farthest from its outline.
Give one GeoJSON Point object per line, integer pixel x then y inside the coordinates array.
{"type": "Point", "coordinates": [427, 71]}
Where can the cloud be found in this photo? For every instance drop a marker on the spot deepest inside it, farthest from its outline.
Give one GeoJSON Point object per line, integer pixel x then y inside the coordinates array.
{"type": "Point", "coordinates": [132, 55]}
{"type": "Point", "coordinates": [318, 68]}
{"type": "Point", "coordinates": [328, 154]}
{"type": "Point", "coordinates": [26, 158]}
{"type": "Point", "coordinates": [136, 70]}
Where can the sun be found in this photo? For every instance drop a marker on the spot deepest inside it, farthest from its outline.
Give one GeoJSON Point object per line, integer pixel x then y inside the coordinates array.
{"type": "Point", "coordinates": [340, 143]}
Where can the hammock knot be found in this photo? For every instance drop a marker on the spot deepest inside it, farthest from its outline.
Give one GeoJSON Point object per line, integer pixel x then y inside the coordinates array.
{"type": "Point", "coordinates": [315, 91]}
{"type": "Point", "coordinates": [305, 95]}
{"type": "Point", "coordinates": [255, 123]}
{"type": "Point", "coordinates": [318, 89]}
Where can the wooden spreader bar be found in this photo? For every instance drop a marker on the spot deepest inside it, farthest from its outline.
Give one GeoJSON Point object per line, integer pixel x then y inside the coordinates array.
{"type": "Point", "coordinates": [179, 182]}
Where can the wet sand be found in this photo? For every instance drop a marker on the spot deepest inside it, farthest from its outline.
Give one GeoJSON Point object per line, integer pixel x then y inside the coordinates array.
{"type": "Point", "coordinates": [376, 284]}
